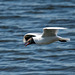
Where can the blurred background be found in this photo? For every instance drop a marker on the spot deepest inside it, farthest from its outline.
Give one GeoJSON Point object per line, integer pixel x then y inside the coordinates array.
{"type": "Point", "coordinates": [18, 17]}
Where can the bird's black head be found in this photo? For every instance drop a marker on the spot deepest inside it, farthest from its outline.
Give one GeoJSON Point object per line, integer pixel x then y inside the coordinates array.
{"type": "Point", "coordinates": [29, 41]}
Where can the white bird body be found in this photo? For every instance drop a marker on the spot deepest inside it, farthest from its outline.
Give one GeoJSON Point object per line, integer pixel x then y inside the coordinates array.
{"type": "Point", "coordinates": [49, 36]}
{"type": "Point", "coordinates": [44, 40]}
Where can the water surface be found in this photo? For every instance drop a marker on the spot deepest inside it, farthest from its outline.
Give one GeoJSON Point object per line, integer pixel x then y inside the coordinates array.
{"type": "Point", "coordinates": [19, 17]}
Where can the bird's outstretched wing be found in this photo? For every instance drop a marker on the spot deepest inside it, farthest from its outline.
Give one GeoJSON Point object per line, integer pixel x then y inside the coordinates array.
{"type": "Point", "coordinates": [51, 31]}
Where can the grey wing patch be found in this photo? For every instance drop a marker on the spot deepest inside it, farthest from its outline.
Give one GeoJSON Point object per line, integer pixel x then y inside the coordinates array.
{"type": "Point", "coordinates": [49, 32]}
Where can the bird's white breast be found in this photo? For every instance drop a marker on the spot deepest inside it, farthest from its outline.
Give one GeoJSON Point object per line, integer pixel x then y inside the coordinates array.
{"type": "Point", "coordinates": [45, 40]}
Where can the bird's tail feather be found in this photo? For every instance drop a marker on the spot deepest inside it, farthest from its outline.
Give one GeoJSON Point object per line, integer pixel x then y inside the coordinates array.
{"type": "Point", "coordinates": [64, 39]}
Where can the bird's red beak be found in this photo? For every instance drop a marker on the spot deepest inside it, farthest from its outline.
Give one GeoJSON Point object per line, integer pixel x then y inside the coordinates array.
{"type": "Point", "coordinates": [27, 43]}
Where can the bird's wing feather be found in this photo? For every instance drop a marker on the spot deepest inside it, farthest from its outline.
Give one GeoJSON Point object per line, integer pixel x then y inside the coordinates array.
{"type": "Point", "coordinates": [51, 31]}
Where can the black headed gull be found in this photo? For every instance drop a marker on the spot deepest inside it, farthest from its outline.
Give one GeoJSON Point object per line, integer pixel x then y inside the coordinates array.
{"type": "Point", "coordinates": [48, 36]}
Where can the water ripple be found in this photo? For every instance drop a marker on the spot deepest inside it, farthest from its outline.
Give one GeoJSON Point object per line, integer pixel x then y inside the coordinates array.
{"type": "Point", "coordinates": [20, 17]}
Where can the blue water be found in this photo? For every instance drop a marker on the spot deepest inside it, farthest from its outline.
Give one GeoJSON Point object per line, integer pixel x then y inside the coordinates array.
{"type": "Point", "coordinates": [18, 17]}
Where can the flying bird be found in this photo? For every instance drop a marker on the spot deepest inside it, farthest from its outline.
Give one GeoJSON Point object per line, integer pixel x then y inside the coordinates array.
{"type": "Point", "coordinates": [48, 36]}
